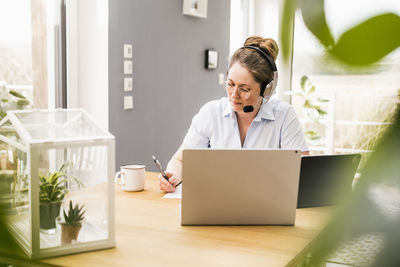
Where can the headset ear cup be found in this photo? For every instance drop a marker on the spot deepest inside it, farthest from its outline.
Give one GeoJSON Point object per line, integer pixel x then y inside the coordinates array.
{"type": "Point", "coordinates": [275, 82]}
{"type": "Point", "coordinates": [271, 86]}
{"type": "Point", "coordinates": [267, 90]}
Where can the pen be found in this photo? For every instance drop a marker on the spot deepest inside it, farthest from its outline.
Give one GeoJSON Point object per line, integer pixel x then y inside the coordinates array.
{"type": "Point", "coordinates": [162, 170]}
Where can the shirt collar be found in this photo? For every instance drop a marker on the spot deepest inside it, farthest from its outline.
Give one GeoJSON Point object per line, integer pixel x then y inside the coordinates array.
{"type": "Point", "coordinates": [265, 112]}
{"type": "Point", "coordinates": [227, 108]}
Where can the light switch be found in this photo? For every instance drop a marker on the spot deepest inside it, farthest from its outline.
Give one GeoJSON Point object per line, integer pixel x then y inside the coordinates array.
{"type": "Point", "coordinates": [128, 67]}
{"type": "Point", "coordinates": [128, 84]}
{"type": "Point", "coordinates": [128, 102]}
{"type": "Point", "coordinates": [127, 51]}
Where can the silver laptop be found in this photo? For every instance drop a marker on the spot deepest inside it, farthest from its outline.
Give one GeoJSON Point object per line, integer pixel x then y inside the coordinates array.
{"type": "Point", "coordinates": [239, 186]}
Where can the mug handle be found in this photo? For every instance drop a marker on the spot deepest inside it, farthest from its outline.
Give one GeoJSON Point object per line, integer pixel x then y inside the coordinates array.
{"type": "Point", "coordinates": [119, 178]}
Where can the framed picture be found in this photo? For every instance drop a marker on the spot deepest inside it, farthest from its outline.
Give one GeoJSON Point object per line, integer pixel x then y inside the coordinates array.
{"type": "Point", "coordinates": [197, 8]}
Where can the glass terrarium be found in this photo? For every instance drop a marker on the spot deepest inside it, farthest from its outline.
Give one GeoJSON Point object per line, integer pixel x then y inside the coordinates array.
{"type": "Point", "coordinates": [56, 181]}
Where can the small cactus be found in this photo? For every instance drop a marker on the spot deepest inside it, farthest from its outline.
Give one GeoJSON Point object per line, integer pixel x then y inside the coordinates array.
{"type": "Point", "coordinates": [75, 214]}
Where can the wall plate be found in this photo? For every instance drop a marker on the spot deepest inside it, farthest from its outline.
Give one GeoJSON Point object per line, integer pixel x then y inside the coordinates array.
{"type": "Point", "coordinates": [127, 51]}
{"type": "Point", "coordinates": [128, 102]}
{"type": "Point", "coordinates": [128, 84]}
{"type": "Point", "coordinates": [128, 67]}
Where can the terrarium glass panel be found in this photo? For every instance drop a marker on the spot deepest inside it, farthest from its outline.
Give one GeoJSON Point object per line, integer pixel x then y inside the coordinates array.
{"type": "Point", "coordinates": [58, 125]}
{"type": "Point", "coordinates": [14, 186]}
{"type": "Point", "coordinates": [74, 176]}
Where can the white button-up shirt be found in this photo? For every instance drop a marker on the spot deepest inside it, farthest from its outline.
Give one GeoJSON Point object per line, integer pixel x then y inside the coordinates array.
{"type": "Point", "coordinates": [275, 126]}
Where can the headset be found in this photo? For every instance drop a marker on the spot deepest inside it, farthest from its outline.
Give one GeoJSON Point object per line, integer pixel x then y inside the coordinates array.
{"type": "Point", "coordinates": [269, 85]}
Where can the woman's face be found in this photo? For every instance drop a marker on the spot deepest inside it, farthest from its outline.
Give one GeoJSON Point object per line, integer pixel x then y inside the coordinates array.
{"type": "Point", "coordinates": [241, 88]}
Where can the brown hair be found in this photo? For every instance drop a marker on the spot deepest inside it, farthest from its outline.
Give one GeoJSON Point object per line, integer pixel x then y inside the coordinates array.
{"type": "Point", "coordinates": [254, 61]}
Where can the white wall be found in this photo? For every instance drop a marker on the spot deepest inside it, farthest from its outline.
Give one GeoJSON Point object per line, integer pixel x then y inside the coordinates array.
{"type": "Point", "coordinates": [87, 57]}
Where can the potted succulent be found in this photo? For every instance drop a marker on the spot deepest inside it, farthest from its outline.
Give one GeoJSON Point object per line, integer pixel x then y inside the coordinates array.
{"type": "Point", "coordinates": [72, 223]}
{"type": "Point", "coordinates": [53, 189]}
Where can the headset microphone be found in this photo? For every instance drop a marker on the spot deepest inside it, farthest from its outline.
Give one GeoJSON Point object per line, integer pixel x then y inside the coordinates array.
{"type": "Point", "coordinates": [247, 109]}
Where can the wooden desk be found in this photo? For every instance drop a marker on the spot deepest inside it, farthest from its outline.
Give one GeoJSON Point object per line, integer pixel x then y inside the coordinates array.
{"type": "Point", "coordinates": [148, 233]}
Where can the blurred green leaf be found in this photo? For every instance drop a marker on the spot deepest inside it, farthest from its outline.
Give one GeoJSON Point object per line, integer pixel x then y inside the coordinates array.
{"type": "Point", "coordinates": [286, 30]}
{"type": "Point", "coordinates": [317, 108]}
{"type": "Point", "coordinates": [311, 132]}
{"type": "Point", "coordinates": [321, 112]}
{"type": "Point", "coordinates": [322, 100]}
{"type": "Point", "coordinates": [16, 94]}
{"type": "Point", "coordinates": [362, 45]}
{"type": "Point", "coordinates": [312, 89]}
{"type": "Point", "coordinates": [314, 18]}
{"type": "Point", "coordinates": [369, 41]}
{"type": "Point", "coordinates": [22, 102]}
{"type": "Point", "coordinates": [303, 80]}
{"type": "Point", "coordinates": [312, 135]}
{"type": "Point", "coordinates": [4, 100]}
{"type": "Point", "coordinates": [7, 244]}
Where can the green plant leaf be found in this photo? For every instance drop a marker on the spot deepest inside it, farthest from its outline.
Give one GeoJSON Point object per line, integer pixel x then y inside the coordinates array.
{"type": "Point", "coordinates": [369, 41]}
{"type": "Point", "coordinates": [303, 80]}
{"type": "Point", "coordinates": [312, 89]}
{"type": "Point", "coordinates": [23, 102]}
{"type": "Point", "coordinates": [322, 100]}
{"type": "Point", "coordinates": [53, 187]}
{"type": "Point", "coordinates": [78, 182]}
{"type": "Point", "coordinates": [53, 177]}
{"type": "Point", "coordinates": [2, 114]}
{"type": "Point", "coordinates": [312, 135]}
{"type": "Point", "coordinates": [66, 218]}
{"type": "Point", "coordinates": [314, 18]}
{"type": "Point", "coordinates": [65, 166]}
{"type": "Point", "coordinates": [75, 213]}
{"type": "Point", "coordinates": [286, 30]}
{"type": "Point", "coordinates": [16, 94]}
{"type": "Point", "coordinates": [307, 104]}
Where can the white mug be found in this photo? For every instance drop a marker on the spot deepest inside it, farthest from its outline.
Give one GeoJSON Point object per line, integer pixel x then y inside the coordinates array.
{"type": "Point", "coordinates": [131, 177]}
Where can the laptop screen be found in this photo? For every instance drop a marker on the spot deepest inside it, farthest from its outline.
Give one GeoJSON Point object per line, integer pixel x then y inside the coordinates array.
{"type": "Point", "coordinates": [325, 178]}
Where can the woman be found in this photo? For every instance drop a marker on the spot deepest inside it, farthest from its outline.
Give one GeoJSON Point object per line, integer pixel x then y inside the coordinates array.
{"type": "Point", "coordinates": [246, 118]}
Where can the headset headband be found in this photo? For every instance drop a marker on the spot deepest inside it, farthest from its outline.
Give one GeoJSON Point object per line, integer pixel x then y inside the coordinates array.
{"type": "Point", "coordinates": [267, 57]}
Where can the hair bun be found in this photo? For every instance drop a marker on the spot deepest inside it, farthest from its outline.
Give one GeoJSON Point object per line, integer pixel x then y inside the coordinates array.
{"type": "Point", "coordinates": [266, 44]}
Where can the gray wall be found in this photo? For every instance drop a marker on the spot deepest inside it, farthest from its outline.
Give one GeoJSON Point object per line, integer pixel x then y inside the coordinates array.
{"type": "Point", "coordinates": [170, 82]}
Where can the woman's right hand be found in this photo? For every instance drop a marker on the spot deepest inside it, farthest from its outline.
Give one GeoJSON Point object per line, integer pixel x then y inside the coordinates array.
{"type": "Point", "coordinates": [168, 186]}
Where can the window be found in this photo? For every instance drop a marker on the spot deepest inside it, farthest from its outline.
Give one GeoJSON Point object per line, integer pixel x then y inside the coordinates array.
{"type": "Point", "coordinates": [30, 51]}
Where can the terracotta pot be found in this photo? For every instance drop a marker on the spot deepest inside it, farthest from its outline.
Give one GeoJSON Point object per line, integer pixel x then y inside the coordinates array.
{"type": "Point", "coordinates": [69, 232]}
